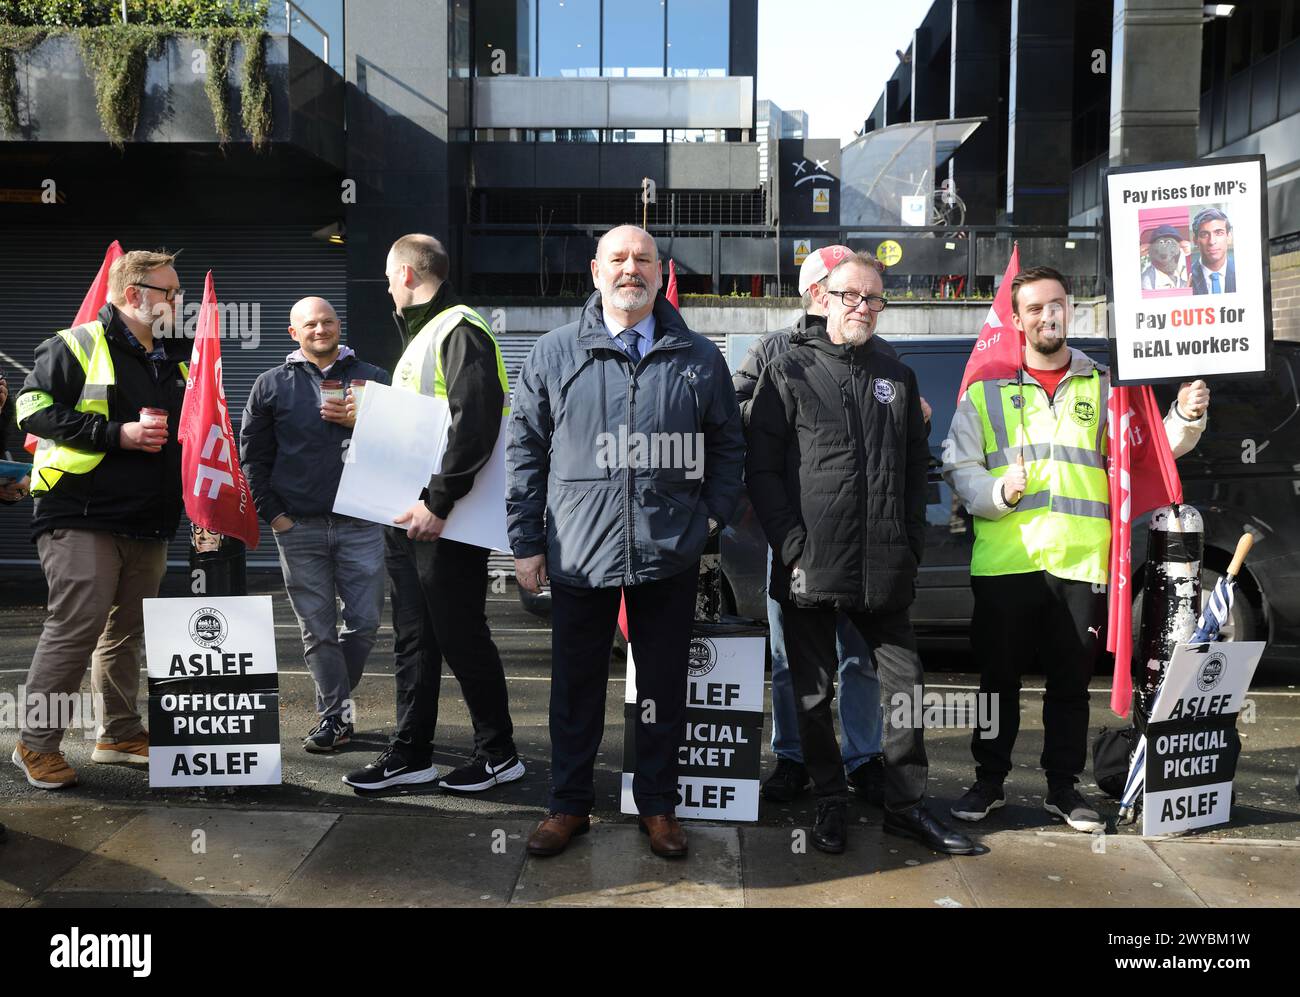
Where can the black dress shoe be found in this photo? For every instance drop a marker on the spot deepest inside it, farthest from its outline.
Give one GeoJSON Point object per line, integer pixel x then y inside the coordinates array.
{"type": "Point", "coordinates": [829, 831]}
{"type": "Point", "coordinates": [919, 824]}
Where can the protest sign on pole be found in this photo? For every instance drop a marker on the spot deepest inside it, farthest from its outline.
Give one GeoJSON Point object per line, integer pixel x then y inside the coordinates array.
{"type": "Point", "coordinates": [1189, 273]}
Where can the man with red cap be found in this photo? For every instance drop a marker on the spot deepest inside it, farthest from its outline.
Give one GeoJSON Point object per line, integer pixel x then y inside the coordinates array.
{"type": "Point", "coordinates": [859, 688]}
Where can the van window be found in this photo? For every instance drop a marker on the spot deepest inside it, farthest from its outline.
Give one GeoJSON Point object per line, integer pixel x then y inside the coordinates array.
{"type": "Point", "coordinates": [1260, 409]}
{"type": "Point", "coordinates": [938, 375]}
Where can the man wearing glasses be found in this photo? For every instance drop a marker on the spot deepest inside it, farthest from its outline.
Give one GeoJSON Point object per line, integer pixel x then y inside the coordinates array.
{"type": "Point", "coordinates": [859, 698]}
{"type": "Point", "coordinates": [107, 485]}
{"type": "Point", "coordinates": [836, 470]}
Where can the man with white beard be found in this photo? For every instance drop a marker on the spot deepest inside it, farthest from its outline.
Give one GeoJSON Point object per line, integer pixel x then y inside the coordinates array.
{"type": "Point", "coordinates": [837, 474]}
{"type": "Point", "coordinates": [595, 527]}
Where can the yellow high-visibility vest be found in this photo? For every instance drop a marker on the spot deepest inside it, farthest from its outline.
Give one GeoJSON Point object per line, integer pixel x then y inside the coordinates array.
{"type": "Point", "coordinates": [1061, 524]}
{"type": "Point", "coordinates": [89, 345]}
{"type": "Point", "coordinates": [420, 368]}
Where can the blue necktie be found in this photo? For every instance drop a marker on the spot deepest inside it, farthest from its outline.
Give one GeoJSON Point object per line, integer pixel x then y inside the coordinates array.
{"type": "Point", "coordinates": [629, 338]}
{"type": "Point", "coordinates": [1214, 284]}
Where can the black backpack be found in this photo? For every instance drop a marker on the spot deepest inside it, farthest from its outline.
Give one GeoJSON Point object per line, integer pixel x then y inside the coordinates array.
{"type": "Point", "coordinates": [1112, 751]}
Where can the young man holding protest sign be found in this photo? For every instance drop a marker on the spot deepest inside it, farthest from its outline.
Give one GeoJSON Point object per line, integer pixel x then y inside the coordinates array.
{"type": "Point", "coordinates": [1029, 462]}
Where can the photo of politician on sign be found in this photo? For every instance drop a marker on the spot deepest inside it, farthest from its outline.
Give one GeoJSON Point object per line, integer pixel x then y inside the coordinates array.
{"type": "Point", "coordinates": [1189, 280]}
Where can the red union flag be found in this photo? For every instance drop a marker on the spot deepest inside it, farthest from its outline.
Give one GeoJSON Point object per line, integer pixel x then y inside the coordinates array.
{"type": "Point", "coordinates": [1142, 477]}
{"type": "Point", "coordinates": [997, 351]}
{"type": "Point", "coordinates": [216, 492]}
{"type": "Point", "coordinates": [94, 300]}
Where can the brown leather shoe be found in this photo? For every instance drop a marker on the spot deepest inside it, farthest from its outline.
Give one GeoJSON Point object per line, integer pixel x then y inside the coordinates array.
{"type": "Point", "coordinates": [552, 835]}
{"type": "Point", "coordinates": [667, 836]}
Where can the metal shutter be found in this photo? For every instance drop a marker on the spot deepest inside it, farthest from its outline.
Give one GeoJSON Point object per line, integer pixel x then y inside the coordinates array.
{"type": "Point", "coordinates": [44, 273]}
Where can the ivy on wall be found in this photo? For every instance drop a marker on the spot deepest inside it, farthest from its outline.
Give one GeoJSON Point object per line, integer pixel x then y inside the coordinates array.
{"type": "Point", "coordinates": [117, 55]}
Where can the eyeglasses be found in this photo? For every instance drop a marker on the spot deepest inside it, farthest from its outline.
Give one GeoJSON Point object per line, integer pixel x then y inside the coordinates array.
{"type": "Point", "coordinates": [852, 299]}
{"type": "Point", "coordinates": [168, 292]}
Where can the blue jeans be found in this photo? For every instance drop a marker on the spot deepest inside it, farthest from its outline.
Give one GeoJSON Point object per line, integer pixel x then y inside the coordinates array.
{"type": "Point", "coordinates": [319, 556]}
{"type": "Point", "coordinates": [858, 696]}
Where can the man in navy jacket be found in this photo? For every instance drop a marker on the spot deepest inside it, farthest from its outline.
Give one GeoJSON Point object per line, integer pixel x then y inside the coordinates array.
{"type": "Point", "coordinates": [624, 454]}
{"type": "Point", "coordinates": [293, 442]}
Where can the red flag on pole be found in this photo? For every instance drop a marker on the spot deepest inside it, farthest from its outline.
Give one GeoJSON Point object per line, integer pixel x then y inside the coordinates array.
{"type": "Point", "coordinates": [1142, 477]}
{"type": "Point", "coordinates": [98, 293]}
{"type": "Point", "coordinates": [998, 349]}
{"type": "Point", "coordinates": [94, 300]}
{"type": "Point", "coordinates": [216, 492]}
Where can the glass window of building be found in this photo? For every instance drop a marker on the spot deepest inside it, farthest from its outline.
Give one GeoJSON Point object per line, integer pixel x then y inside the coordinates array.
{"type": "Point", "coordinates": [634, 38]}
{"type": "Point", "coordinates": [504, 37]}
{"type": "Point", "coordinates": [568, 38]}
{"type": "Point", "coordinates": [634, 134]}
{"type": "Point", "coordinates": [458, 17]}
{"type": "Point", "coordinates": [698, 37]}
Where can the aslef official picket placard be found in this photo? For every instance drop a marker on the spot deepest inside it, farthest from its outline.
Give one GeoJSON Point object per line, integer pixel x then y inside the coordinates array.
{"type": "Point", "coordinates": [214, 700]}
{"type": "Point", "coordinates": [1192, 740]}
{"type": "Point", "coordinates": [718, 761]}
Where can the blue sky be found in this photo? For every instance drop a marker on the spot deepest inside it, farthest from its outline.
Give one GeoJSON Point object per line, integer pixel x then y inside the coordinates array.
{"type": "Point", "coordinates": [831, 58]}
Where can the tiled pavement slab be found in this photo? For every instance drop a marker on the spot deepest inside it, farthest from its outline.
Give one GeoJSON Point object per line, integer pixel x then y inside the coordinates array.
{"type": "Point", "coordinates": [44, 842]}
{"type": "Point", "coordinates": [243, 853]}
{"type": "Point", "coordinates": [877, 870]}
{"type": "Point", "coordinates": [410, 862]}
{"type": "Point", "coordinates": [612, 866]}
{"type": "Point", "coordinates": [1068, 869]}
{"type": "Point", "coordinates": [1236, 874]}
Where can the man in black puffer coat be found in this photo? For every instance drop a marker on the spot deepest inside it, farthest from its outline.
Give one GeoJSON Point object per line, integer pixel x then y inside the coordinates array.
{"type": "Point", "coordinates": [837, 473]}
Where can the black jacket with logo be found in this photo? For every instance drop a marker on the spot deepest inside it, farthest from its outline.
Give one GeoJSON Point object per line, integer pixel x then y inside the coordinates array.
{"type": "Point", "coordinates": [130, 492]}
{"type": "Point", "coordinates": [771, 345]}
{"type": "Point", "coordinates": [836, 471]}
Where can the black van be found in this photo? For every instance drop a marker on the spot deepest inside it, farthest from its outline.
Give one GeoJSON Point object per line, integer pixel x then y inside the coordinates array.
{"type": "Point", "coordinates": [1243, 475]}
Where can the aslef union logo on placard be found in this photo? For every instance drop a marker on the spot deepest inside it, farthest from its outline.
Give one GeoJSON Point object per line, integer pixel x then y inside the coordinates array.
{"type": "Point", "coordinates": [702, 656]}
{"type": "Point", "coordinates": [1210, 673]}
{"type": "Point", "coordinates": [208, 628]}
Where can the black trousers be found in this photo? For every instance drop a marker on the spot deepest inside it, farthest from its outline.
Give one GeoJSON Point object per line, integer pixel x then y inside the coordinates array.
{"type": "Point", "coordinates": [408, 611]}
{"type": "Point", "coordinates": [442, 617]}
{"type": "Point", "coordinates": [660, 615]}
{"type": "Point", "coordinates": [814, 662]}
{"type": "Point", "coordinates": [1019, 619]}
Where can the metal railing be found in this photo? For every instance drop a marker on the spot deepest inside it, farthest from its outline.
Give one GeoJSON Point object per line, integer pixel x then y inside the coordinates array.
{"type": "Point", "coordinates": [957, 276]}
{"type": "Point", "coordinates": [289, 8]}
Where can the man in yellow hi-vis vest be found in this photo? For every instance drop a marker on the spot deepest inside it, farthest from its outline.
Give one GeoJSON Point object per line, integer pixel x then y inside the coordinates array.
{"type": "Point", "coordinates": [1042, 540]}
{"type": "Point", "coordinates": [439, 586]}
{"type": "Point", "coordinates": [107, 484]}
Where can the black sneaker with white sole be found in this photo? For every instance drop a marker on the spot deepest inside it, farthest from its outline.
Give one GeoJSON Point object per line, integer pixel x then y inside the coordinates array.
{"type": "Point", "coordinates": [391, 769]}
{"type": "Point", "coordinates": [481, 774]}
{"type": "Point", "coordinates": [980, 800]}
{"type": "Point", "coordinates": [1071, 807]}
{"type": "Point", "coordinates": [329, 734]}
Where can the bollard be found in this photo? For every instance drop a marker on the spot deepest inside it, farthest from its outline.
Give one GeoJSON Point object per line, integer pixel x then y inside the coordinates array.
{"type": "Point", "coordinates": [219, 561]}
{"type": "Point", "coordinates": [1171, 599]}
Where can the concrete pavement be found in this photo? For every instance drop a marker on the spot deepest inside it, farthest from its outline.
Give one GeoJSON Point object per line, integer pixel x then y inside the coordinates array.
{"type": "Point", "coordinates": [311, 841]}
